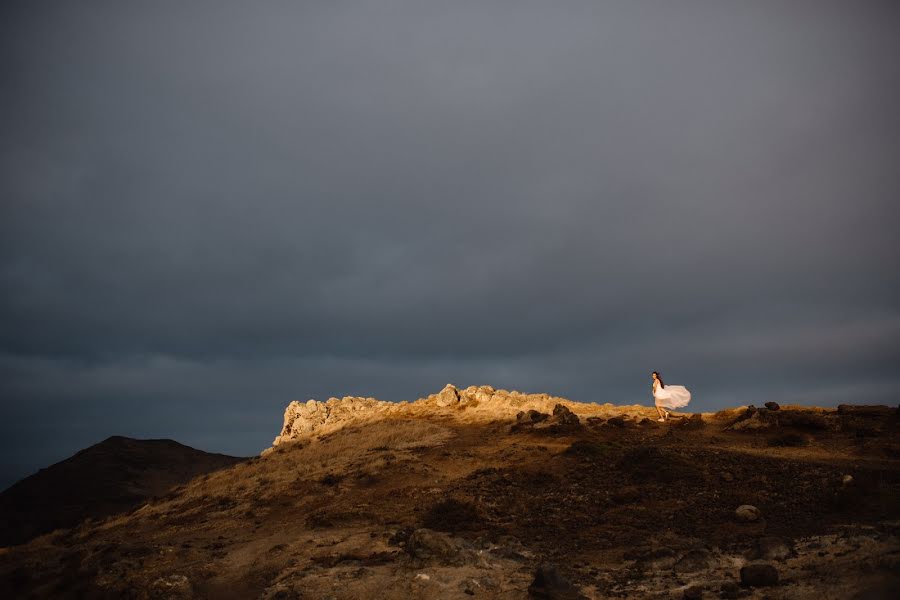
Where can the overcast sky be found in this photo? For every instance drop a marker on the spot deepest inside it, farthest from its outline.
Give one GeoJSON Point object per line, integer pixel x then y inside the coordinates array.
{"type": "Point", "coordinates": [212, 209]}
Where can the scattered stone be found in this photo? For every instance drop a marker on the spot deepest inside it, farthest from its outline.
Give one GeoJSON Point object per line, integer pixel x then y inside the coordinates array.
{"type": "Point", "coordinates": [618, 421]}
{"type": "Point", "coordinates": [758, 575]}
{"type": "Point", "coordinates": [747, 513]}
{"type": "Point", "coordinates": [548, 584]}
{"type": "Point", "coordinates": [727, 476]}
{"type": "Point", "coordinates": [751, 419]}
{"type": "Point", "coordinates": [429, 545]}
{"type": "Point", "coordinates": [846, 480]}
{"type": "Point", "coordinates": [772, 405]}
{"type": "Point", "coordinates": [695, 421]}
{"type": "Point", "coordinates": [531, 416]}
{"type": "Point", "coordinates": [563, 416]}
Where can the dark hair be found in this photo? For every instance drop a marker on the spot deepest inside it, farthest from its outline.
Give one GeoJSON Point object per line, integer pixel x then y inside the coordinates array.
{"type": "Point", "coordinates": [658, 376]}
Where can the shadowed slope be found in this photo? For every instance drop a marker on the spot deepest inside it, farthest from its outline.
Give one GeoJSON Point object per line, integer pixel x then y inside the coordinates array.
{"type": "Point", "coordinates": [104, 479]}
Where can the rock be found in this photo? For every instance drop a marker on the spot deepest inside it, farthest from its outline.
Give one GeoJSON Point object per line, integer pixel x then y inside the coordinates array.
{"type": "Point", "coordinates": [531, 416]}
{"type": "Point", "coordinates": [483, 397]}
{"type": "Point", "coordinates": [752, 419]}
{"type": "Point", "coordinates": [727, 476]}
{"type": "Point", "coordinates": [449, 396]}
{"type": "Point", "coordinates": [758, 575]}
{"type": "Point", "coordinates": [693, 561]}
{"type": "Point", "coordinates": [548, 584]}
{"type": "Point", "coordinates": [771, 548]}
{"type": "Point", "coordinates": [618, 421]}
{"type": "Point", "coordinates": [846, 480]}
{"type": "Point", "coordinates": [694, 422]}
{"type": "Point", "coordinates": [429, 545]}
{"type": "Point", "coordinates": [563, 416]}
{"type": "Point", "coordinates": [772, 405]}
{"type": "Point", "coordinates": [307, 419]}
{"type": "Point", "coordinates": [747, 513]}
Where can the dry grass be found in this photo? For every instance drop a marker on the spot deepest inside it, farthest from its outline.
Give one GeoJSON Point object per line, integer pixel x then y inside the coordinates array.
{"type": "Point", "coordinates": [367, 448]}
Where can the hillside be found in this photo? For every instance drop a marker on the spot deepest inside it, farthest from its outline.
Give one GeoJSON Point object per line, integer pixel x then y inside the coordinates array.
{"type": "Point", "coordinates": [492, 494]}
{"type": "Point", "coordinates": [107, 478]}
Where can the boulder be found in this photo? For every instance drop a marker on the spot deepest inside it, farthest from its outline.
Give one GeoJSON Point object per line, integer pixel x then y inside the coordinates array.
{"type": "Point", "coordinates": [531, 416]}
{"type": "Point", "coordinates": [449, 396]}
{"type": "Point", "coordinates": [563, 416]}
{"type": "Point", "coordinates": [747, 513]}
{"type": "Point", "coordinates": [435, 546]}
{"type": "Point", "coordinates": [772, 406]}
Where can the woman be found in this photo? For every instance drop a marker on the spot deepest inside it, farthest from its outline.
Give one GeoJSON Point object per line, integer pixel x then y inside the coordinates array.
{"type": "Point", "coordinates": [673, 396]}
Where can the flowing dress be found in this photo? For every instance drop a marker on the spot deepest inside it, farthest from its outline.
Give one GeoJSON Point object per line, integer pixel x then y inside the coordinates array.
{"type": "Point", "coordinates": [671, 396]}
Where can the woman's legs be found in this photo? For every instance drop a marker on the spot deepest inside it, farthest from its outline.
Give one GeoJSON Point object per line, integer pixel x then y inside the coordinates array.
{"type": "Point", "coordinates": [661, 413]}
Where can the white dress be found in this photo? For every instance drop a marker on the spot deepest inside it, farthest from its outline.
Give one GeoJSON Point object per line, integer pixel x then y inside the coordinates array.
{"type": "Point", "coordinates": [671, 396]}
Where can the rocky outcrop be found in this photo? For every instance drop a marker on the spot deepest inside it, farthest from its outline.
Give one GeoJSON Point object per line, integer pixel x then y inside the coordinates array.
{"type": "Point", "coordinates": [304, 420]}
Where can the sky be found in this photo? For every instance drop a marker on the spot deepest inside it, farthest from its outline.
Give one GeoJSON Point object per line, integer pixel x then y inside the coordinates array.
{"type": "Point", "coordinates": [211, 209]}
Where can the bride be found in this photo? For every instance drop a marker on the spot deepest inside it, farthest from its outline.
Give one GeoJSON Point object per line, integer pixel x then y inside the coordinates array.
{"type": "Point", "coordinates": [673, 396]}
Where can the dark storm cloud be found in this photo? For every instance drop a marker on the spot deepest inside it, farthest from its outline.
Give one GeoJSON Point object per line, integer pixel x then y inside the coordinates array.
{"type": "Point", "coordinates": [210, 210]}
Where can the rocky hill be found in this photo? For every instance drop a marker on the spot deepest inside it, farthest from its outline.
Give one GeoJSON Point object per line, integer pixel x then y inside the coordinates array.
{"type": "Point", "coordinates": [107, 478]}
{"type": "Point", "coordinates": [488, 493]}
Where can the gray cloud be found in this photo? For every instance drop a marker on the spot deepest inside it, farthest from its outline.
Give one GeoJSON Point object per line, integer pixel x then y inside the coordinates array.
{"type": "Point", "coordinates": [209, 211]}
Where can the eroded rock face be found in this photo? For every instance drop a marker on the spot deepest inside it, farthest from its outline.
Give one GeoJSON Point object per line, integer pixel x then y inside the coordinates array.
{"type": "Point", "coordinates": [305, 418]}
{"type": "Point", "coordinates": [313, 418]}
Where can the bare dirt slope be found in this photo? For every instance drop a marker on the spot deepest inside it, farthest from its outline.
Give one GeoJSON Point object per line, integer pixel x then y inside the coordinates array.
{"type": "Point", "coordinates": [481, 498]}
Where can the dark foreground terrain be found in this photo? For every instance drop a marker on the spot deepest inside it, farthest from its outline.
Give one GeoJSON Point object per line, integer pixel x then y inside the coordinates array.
{"type": "Point", "coordinates": [459, 502]}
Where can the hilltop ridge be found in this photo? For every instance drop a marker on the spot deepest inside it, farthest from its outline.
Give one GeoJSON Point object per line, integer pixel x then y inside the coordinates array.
{"type": "Point", "coordinates": [487, 493]}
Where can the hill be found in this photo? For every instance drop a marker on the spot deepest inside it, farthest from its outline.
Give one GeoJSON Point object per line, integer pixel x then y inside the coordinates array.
{"type": "Point", "coordinates": [107, 478]}
{"type": "Point", "coordinates": [494, 494]}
